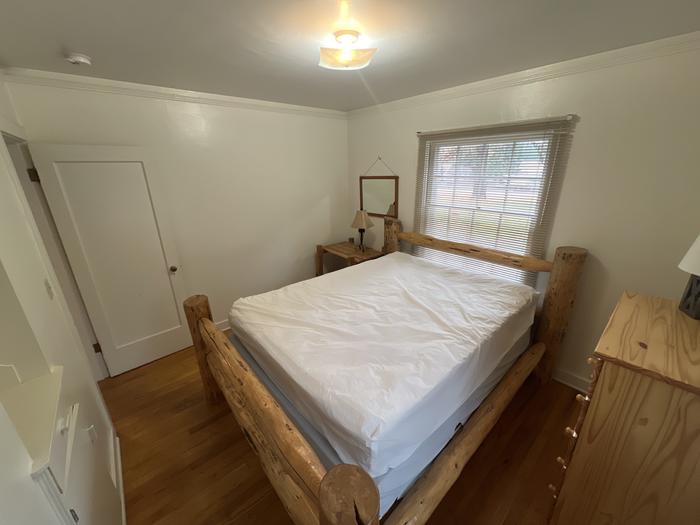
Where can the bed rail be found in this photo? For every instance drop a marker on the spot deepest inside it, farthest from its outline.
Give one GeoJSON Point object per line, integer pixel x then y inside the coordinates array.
{"type": "Point", "coordinates": [522, 262]}
{"type": "Point", "coordinates": [426, 493]}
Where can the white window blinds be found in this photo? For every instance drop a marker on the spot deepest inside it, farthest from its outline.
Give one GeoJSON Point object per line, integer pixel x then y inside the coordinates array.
{"type": "Point", "coordinates": [491, 186]}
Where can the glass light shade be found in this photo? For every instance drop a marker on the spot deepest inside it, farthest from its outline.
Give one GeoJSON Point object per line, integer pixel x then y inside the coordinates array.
{"type": "Point", "coordinates": [691, 262]}
{"type": "Point", "coordinates": [345, 58]}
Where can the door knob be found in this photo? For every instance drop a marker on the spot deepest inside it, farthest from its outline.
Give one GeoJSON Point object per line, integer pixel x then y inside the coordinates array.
{"type": "Point", "coordinates": [173, 269]}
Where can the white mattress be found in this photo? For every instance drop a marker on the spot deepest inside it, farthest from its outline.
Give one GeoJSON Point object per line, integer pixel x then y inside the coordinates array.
{"type": "Point", "coordinates": [378, 356]}
{"type": "Point", "coordinates": [392, 484]}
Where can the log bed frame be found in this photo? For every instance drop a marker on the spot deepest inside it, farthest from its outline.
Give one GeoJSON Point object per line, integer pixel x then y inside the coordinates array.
{"type": "Point", "coordinates": [346, 494]}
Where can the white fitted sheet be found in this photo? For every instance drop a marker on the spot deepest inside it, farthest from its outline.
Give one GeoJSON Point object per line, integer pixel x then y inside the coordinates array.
{"type": "Point", "coordinates": [379, 355]}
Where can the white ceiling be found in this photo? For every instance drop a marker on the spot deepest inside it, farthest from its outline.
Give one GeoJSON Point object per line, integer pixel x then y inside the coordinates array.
{"type": "Point", "coordinates": [268, 49]}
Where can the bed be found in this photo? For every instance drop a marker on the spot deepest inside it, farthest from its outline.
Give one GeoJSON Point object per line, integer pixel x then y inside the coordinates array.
{"type": "Point", "coordinates": [365, 391]}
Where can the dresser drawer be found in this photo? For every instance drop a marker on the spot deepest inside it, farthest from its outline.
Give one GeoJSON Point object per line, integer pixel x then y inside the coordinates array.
{"type": "Point", "coordinates": [573, 432]}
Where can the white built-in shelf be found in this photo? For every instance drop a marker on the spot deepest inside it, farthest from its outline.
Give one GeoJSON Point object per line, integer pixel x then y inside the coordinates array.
{"type": "Point", "coordinates": [32, 407]}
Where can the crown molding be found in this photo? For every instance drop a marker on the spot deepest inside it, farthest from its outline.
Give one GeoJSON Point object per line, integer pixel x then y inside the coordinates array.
{"type": "Point", "coordinates": [33, 77]}
{"type": "Point", "coordinates": [659, 48]}
{"type": "Point", "coordinates": [9, 122]}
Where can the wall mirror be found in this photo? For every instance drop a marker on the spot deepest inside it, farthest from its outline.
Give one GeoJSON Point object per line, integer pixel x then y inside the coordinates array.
{"type": "Point", "coordinates": [379, 195]}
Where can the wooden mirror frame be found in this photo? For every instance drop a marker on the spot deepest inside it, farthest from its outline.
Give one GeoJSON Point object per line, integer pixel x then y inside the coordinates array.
{"type": "Point", "coordinates": [395, 178]}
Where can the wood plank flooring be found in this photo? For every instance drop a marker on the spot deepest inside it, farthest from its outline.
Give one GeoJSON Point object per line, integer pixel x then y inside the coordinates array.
{"type": "Point", "coordinates": [187, 463]}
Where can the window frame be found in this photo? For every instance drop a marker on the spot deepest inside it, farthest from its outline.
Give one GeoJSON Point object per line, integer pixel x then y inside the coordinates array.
{"type": "Point", "coordinates": [558, 130]}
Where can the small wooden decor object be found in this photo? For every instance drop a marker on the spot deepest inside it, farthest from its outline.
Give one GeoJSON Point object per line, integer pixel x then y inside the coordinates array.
{"type": "Point", "coordinates": [347, 495]}
{"type": "Point", "coordinates": [634, 454]}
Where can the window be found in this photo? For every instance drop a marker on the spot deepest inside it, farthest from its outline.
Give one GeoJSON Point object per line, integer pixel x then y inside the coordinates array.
{"type": "Point", "coordinates": [493, 187]}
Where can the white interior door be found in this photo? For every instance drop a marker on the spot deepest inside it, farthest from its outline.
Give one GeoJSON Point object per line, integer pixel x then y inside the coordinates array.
{"type": "Point", "coordinates": [117, 240]}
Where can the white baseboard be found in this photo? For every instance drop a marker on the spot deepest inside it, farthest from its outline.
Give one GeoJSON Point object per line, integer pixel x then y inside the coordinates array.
{"type": "Point", "coordinates": [573, 380]}
{"type": "Point", "coordinates": [119, 476]}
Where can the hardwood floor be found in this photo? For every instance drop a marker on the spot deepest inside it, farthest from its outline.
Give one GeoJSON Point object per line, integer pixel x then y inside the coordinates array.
{"type": "Point", "coordinates": [187, 463]}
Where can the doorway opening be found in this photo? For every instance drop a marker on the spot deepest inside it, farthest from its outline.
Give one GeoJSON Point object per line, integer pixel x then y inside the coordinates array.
{"type": "Point", "coordinates": [39, 208]}
{"type": "Point", "coordinates": [99, 213]}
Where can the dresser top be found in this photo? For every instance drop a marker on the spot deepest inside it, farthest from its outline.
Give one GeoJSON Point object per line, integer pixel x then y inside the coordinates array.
{"type": "Point", "coordinates": [653, 336]}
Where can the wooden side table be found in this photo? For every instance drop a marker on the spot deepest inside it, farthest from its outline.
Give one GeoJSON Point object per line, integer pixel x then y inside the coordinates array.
{"type": "Point", "coordinates": [347, 251]}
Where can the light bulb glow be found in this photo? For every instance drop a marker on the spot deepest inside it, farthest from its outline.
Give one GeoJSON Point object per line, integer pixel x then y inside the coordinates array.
{"type": "Point", "coordinates": [345, 55]}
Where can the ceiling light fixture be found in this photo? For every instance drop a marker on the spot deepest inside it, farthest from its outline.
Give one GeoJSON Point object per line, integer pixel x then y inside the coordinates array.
{"type": "Point", "coordinates": [349, 50]}
{"type": "Point", "coordinates": [79, 59]}
{"type": "Point", "coordinates": [346, 56]}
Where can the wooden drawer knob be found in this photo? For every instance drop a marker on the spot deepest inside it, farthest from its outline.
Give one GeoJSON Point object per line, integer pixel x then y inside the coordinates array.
{"type": "Point", "coordinates": [571, 432]}
{"type": "Point", "coordinates": [562, 462]}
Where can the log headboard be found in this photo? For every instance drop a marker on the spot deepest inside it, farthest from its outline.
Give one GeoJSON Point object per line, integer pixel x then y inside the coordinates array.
{"type": "Point", "coordinates": [564, 270]}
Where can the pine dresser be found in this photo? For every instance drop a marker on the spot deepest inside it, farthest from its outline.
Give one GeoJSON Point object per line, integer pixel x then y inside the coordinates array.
{"type": "Point", "coordinates": [634, 453]}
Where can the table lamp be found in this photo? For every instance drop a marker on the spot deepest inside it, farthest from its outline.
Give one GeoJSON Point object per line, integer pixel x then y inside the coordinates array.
{"type": "Point", "coordinates": [690, 303]}
{"type": "Point", "coordinates": [362, 223]}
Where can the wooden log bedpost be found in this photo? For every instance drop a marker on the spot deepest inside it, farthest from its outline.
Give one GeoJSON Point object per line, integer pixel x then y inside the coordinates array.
{"type": "Point", "coordinates": [348, 496]}
{"type": "Point", "coordinates": [392, 228]}
{"type": "Point", "coordinates": [196, 308]}
{"type": "Point", "coordinates": [345, 495]}
{"type": "Point", "coordinates": [558, 304]}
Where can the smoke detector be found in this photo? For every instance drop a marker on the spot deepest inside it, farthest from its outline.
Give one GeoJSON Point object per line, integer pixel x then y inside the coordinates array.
{"type": "Point", "coordinates": [79, 59]}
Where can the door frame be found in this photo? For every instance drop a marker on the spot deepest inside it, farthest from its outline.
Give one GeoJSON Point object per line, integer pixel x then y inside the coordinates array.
{"type": "Point", "coordinates": [38, 205]}
{"type": "Point", "coordinates": [45, 156]}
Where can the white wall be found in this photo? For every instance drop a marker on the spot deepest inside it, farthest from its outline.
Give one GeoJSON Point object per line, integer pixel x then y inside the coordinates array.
{"type": "Point", "coordinates": [21, 500]}
{"type": "Point", "coordinates": [57, 255]}
{"type": "Point", "coordinates": [19, 347]}
{"type": "Point", "coordinates": [9, 123]}
{"type": "Point", "coordinates": [631, 189]}
{"type": "Point", "coordinates": [251, 188]}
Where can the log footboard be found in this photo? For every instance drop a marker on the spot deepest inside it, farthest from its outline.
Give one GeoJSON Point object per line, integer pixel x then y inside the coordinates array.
{"type": "Point", "coordinates": [345, 495]}
{"type": "Point", "coordinates": [309, 493]}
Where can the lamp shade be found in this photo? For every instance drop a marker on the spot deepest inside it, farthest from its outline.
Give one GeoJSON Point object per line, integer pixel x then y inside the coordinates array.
{"type": "Point", "coordinates": [361, 220]}
{"type": "Point", "coordinates": [691, 262]}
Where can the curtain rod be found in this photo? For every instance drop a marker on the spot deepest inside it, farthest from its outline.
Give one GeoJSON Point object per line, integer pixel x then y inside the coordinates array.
{"type": "Point", "coordinates": [570, 118]}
